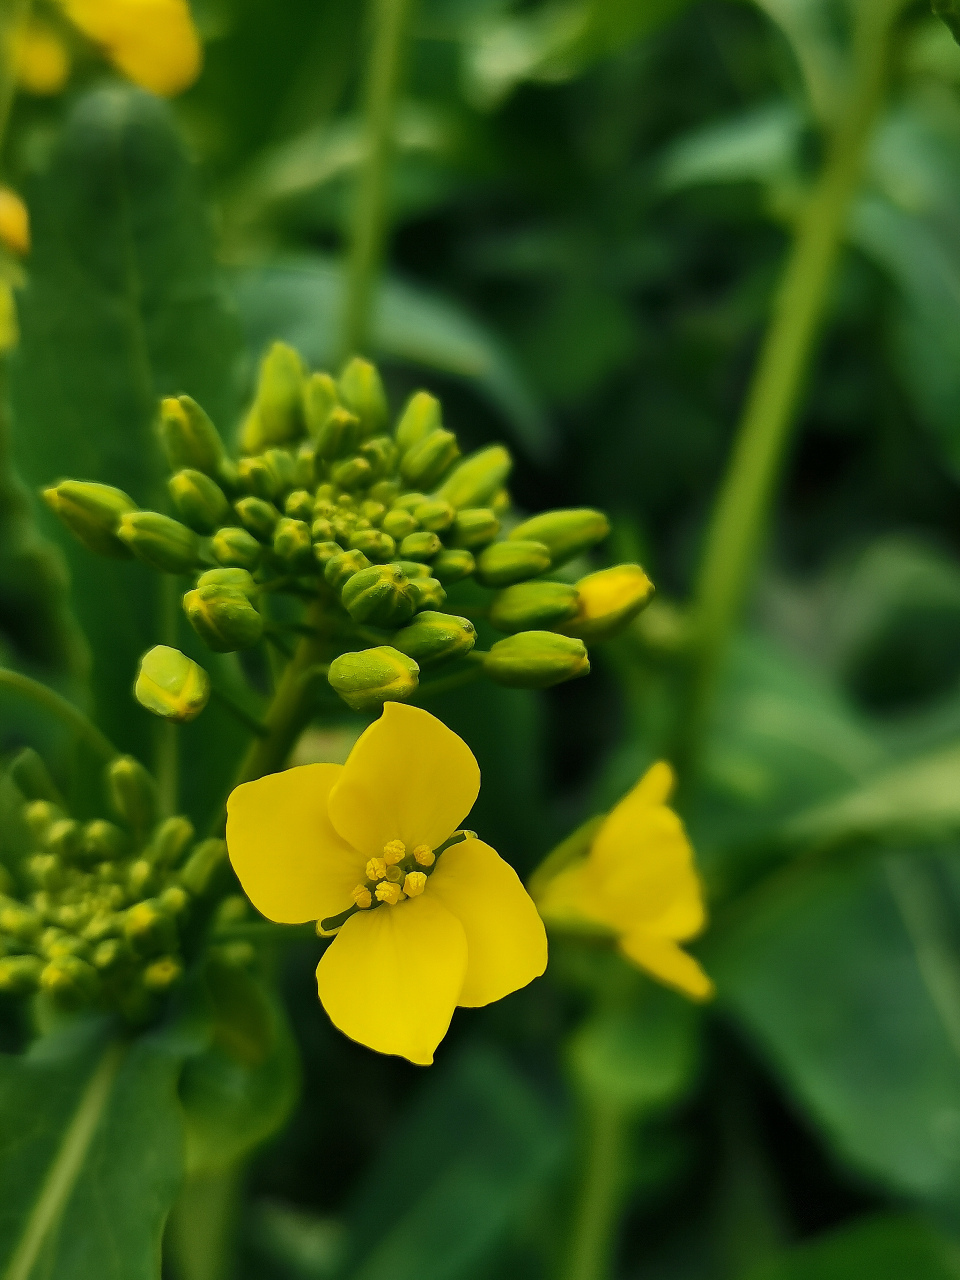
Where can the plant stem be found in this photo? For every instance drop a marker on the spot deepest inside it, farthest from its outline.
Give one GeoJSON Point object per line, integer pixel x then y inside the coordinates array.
{"type": "Point", "coordinates": [737, 528]}
{"type": "Point", "coordinates": [60, 708]}
{"type": "Point", "coordinates": [598, 1207]}
{"type": "Point", "coordinates": [202, 1225]}
{"type": "Point", "coordinates": [369, 223]}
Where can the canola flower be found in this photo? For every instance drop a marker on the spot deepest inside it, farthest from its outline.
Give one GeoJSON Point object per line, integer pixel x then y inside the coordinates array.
{"type": "Point", "coordinates": [638, 880]}
{"type": "Point", "coordinates": [427, 916]}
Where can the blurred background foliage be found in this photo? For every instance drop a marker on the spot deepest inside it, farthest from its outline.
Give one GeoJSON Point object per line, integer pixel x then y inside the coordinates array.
{"type": "Point", "coordinates": [590, 206]}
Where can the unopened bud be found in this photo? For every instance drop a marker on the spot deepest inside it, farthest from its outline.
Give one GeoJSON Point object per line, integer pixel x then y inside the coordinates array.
{"type": "Point", "coordinates": [565, 533]}
{"type": "Point", "coordinates": [189, 438]}
{"type": "Point", "coordinates": [103, 841]}
{"type": "Point", "coordinates": [277, 416]}
{"type": "Point", "coordinates": [305, 465]}
{"type": "Point", "coordinates": [69, 981]}
{"type": "Point", "coordinates": [159, 541]}
{"type": "Point", "coordinates": [380, 596]}
{"type": "Point", "coordinates": [256, 478]}
{"type": "Point", "coordinates": [474, 482]}
{"type": "Point", "coordinates": [536, 660]}
{"type": "Point", "coordinates": [41, 815]}
{"type": "Point", "coordinates": [435, 637]}
{"type": "Point", "coordinates": [258, 517]}
{"type": "Point", "coordinates": [374, 543]}
{"type": "Point", "coordinates": [435, 515]}
{"type": "Point", "coordinates": [474, 528]}
{"type": "Point", "coordinates": [235, 548]}
{"type": "Point", "coordinates": [282, 466]}
{"type": "Point", "coordinates": [427, 593]}
{"type": "Point", "coordinates": [429, 458]}
{"type": "Point", "coordinates": [381, 453]}
{"type": "Point", "coordinates": [92, 513]}
{"type": "Point", "coordinates": [133, 794]}
{"type": "Point", "coordinates": [14, 222]}
{"type": "Point", "coordinates": [231, 580]}
{"type": "Point", "coordinates": [292, 544]}
{"type": "Point", "coordinates": [170, 841]}
{"type": "Point", "coordinates": [352, 473]}
{"type": "Point", "coordinates": [319, 401]}
{"type": "Point", "coordinates": [339, 435]}
{"type": "Point", "coordinates": [529, 606]}
{"type": "Point", "coordinates": [607, 601]}
{"type": "Point", "coordinates": [171, 685]}
{"type": "Point", "coordinates": [64, 838]}
{"type": "Point", "coordinates": [148, 928]}
{"type": "Point", "coordinates": [200, 502]}
{"type": "Point", "coordinates": [18, 921]}
{"type": "Point", "coordinates": [420, 417]}
{"type": "Point", "coordinates": [20, 975]}
{"type": "Point", "coordinates": [420, 546]}
{"type": "Point", "coordinates": [362, 391]}
{"type": "Point", "coordinates": [31, 776]}
{"type": "Point", "coordinates": [340, 568]}
{"type": "Point", "coordinates": [174, 900]}
{"type": "Point", "coordinates": [413, 568]}
{"type": "Point", "coordinates": [206, 859]}
{"type": "Point", "coordinates": [108, 953]}
{"type": "Point", "coordinates": [324, 552]}
{"type": "Point", "coordinates": [161, 974]}
{"type": "Point", "coordinates": [368, 679]}
{"type": "Point", "coordinates": [398, 523]}
{"type": "Point", "coordinates": [45, 871]}
{"type": "Point", "coordinates": [299, 505]}
{"type": "Point", "coordinates": [141, 877]}
{"type": "Point", "coordinates": [503, 563]}
{"type": "Point", "coordinates": [452, 566]}
{"type": "Point", "coordinates": [223, 618]}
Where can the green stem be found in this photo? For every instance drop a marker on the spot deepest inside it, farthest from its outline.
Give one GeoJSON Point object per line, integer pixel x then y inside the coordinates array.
{"type": "Point", "coordinates": [737, 529]}
{"type": "Point", "coordinates": [60, 708]}
{"type": "Point", "coordinates": [596, 1213]}
{"type": "Point", "coordinates": [202, 1225]}
{"type": "Point", "coordinates": [369, 224]}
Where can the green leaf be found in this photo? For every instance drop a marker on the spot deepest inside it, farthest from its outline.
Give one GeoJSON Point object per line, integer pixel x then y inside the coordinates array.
{"type": "Point", "coordinates": [882, 1248]}
{"type": "Point", "coordinates": [811, 29]}
{"type": "Point", "coordinates": [761, 145]}
{"type": "Point", "coordinates": [123, 306]}
{"type": "Point", "coordinates": [301, 301]}
{"type": "Point", "coordinates": [949, 11]}
{"type": "Point", "coordinates": [90, 1156]}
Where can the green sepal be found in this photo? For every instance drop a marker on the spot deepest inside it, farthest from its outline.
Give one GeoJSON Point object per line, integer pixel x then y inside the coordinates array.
{"type": "Point", "coordinates": [380, 596]}
{"type": "Point", "coordinates": [223, 618]}
{"type": "Point", "coordinates": [367, 679]}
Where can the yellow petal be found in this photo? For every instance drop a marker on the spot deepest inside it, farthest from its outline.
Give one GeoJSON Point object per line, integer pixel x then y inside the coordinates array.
{"type": "Point", "coordinates": [656, 785]}
{"type": "Point", "coordinates": [665, 960]}
{"type": "Point", "coordinates": [292, 864]}
{"type": "Point", "coordinates": [506, 942]}
{"type": "Point", "coordinates": [391, 977]}
{"type": "Point", "coordinates": [153, 42]}
{"type": "Point", "coordinates": [408, 778]}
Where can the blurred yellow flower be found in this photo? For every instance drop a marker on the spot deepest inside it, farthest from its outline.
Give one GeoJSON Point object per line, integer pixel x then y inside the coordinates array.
{"type": "Point", "coordinates": [41, 61]}
{"type": "Point", "coordinates": [14, 222]}
{"type": "Point", "coordinates": [424, 924]}
{"type": "Point", "coordinates": [638, 880]}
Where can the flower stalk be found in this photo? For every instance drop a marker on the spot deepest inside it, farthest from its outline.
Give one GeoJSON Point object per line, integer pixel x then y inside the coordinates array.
{"type": "Point", "coordinates": [597, 1211]}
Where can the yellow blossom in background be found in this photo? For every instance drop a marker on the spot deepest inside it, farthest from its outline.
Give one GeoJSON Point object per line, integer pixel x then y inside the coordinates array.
{"type": "Point", "coordinates": [423, 924]}
{"type": "Point", "coordinates": [639, 881]}
{"type": "Point", "coordinates": [14, 222]}
{"type": "Point", "coordinates": [41, 60]}
{"type": "Point", "coordinates": [153, 42]}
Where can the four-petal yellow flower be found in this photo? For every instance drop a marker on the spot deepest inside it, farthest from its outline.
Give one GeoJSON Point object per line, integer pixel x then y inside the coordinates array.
{"type": "Point", "coordinates": [434, 917]}
{"type": "Point", "coordinates": [638, 881]}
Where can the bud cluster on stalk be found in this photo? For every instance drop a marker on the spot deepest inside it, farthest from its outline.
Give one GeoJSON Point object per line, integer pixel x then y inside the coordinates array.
{"type": "Point", "coordinates": [375, 522]}
{"type": "Point", "coordinates": [95, 914]}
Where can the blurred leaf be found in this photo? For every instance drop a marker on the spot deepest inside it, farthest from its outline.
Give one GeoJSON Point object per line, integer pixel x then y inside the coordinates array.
{"type": "Point", "coordinates": [300, 300]}
{"type": "Point", "coordinates": [123, 306]}
{"type": "Point", "coordinates": [887, 1248]}
{"type": "Point", "coordinates": [761, 145]}
{"type": "Point", "coordinates": [464, 1165]}
{"type": "Point", "coordinates": [90, 1156]}
{"type": "Point", "coordinates": [811, 28]}
{"type": "Point", "coordinates": [949, 11]}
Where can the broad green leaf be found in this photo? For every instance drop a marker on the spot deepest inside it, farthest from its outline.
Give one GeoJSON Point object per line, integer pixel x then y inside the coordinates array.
{"type": "Point", "coordinates": [762, 145]}
{"type": "Point", "coordinates": [91, 1154]}
{"type": "Point", "coordinates": [882, 1248]}
{"type": "Point", "coordinates": [301, 301]}
{"type": "Point", "coordinates": [123, 305]}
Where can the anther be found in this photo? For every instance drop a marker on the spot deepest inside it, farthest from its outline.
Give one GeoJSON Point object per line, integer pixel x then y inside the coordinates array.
{"type": "Point", "coordinates": [424, 855]}
{"type": "Point", "coordinates": [375, 869]}
{"type": "Point", "coordinates": [388, 892]}
{"type": "Point", "coordinates": [393, 852]}
{"type": "Point", "coordinates": [414, 883]}
{"type": "Point", "coordinates": [362, 896]}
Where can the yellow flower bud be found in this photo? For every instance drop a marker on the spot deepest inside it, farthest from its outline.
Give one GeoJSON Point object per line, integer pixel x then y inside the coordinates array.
{"type": "Point", "coordinates": [352, 473]}
{"type": "Point", "coordinates": [427, 593]}
{"type": "Point", "coordinates": [398, 523]}
{"type": "Point", "coordinates": [69, 981]}
{"type": "Point", "coordinates": [160, 542]}
{"type": "Point", "coordinates": [388, 893]}
{"type": "Point", "coordinates": [92, 513]}
{"type": "Point", "coordinates": [257, 478]}
{"type": "Point", "coordinates": [536, 660]}
{"type": "Point", "coordinates": [232, 580]}
{"type": "Point", "coordinates": [435, 637]}
{"type": "Point", "coordinates": [171, 685]}
{"type": "Point", "coordinates": [103, 841]}
{"type": "Point", "coordinates": [608, 601]}
{"type": "Point", "coordinates": [14, 222]}
{"type": "Point", "coordinates": [565, 533]}
{"type": "Point", "coordinates": [414, 883]}
{"type": "Point", "coordinates": [148, 927]}
{"type": "Point", "coordinates": [503, 563]}
{"type": "Point", "coordinates": [189, 438]}
{"type": "Point", "coordinates": [235, 548]}
{"type": "Point", "coordinates": [160, 975]}
{"type": "Point", "coordinates": [362, 392]}
{"type": "Point", "coordinates": [477, 478]}
{"type": "Point", "coordinates": [379, 596]}
{"type": "Point", "coordinates": [533, 605]}
{"type": "Point", "coordinates": [339, 435]}
{"type": "Point", "coordinates": [223, 618]}
{"type": "Point", "coordinates": [170, 841]}
{"type": "Point", "coordinates": [200, 502]}
{"type": "Point", "coordinates": [435, 515]}
{"type": "Point", "coordinates": [429, 458]}
{"type": "Point", "coordinates": [368, 679]}
{"type": "Point", "coordinates": [374, 543]}
{"type": "Point", "coordinates": [420, 416]}
{"type": "Point", "coordinates": [299, 505]}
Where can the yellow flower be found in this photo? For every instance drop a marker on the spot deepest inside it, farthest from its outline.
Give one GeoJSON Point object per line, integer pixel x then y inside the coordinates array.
{"type": "Point", "coordinates": [40, 57]}
{"type": "Point", "coordinates": [14, 222]}
{"type": "Point", "coordinates": [442, 924]}
{"type": "Point", "coordinates": [153, 42]}
{"type": "Point", "coordinates": [638, 880]}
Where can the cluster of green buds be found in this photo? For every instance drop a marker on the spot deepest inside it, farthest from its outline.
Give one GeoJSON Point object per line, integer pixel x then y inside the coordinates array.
{"type": "Point", "coordinates": [95, 915]}
{"type": "Point", "coordinates": [377, 525]}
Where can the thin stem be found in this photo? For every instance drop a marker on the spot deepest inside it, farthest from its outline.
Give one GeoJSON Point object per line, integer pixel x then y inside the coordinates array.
{"type": "Point", "coordinates": [736, 532]}
{"type": "Point", "coordinates": [601, 1190]}
{"type": "Point", "coordinates": [369, 224]}
{"type": "Point", "coordinates": [60, 708]}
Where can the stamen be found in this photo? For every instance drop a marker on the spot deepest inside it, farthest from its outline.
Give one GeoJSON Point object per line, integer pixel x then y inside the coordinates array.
{"type": "Point", "coordinates": [375, 869]}
{"type": "Point", "coordinates": [393, 852]}
{"type": "Point", "coordinates": [362, 896]}
{"type": "Point", "coordinates": [388, 893]}
{"type": "Point", "coordinates": [414, 883]}
{"type": "Point", "coordinates": [424, 855]}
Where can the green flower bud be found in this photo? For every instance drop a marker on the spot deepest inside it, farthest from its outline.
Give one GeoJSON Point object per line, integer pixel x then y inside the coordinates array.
{"type": "Point", "coordinates": [413, 568]}
{"type": "Point", "coordinates": [171, 685]}
{"type": "Point", "coordinates": [103, 841]}
{"type": "Point", "coordinates": [108, 953]}
{"type": "Point", "coordinates": [607, 601]}
{"type": "Point", "coordinates": [528, 606]}
{"type": "Point", "coordinates": [435, 637]}
{"type": "Point", "coordinates": [325, 551]}
{"type": "Point", "coordinates": [407, 501]}
{"type": "Point", "coordinates": [565, 533]}
{"type": "Point", "coordinates": [293, 545]}
{"type": "Point", "coordinates": [92, 514]}
{"type": "Point", "coordinates": [232, 580]}
{"type": "Point", "coordinates": [18, 921]}
{"type": "Point", "coordinates": [142, 877]}
{"type": "Point", "coordinates": [420, 546]}
{"type": "Point", "coordinates": [223, 618]}
{"type": "Point", "coordinates": [362, 391]}
{"type": "Point", "coordinates": [427, 593]}
{"type": "Point", "coordinates": [384, 492]}
{"type": "Point", "coordinates": [319, 401]}
{"type": "Point", "coordinates": [451, 566]}
{"type": "Point", "coordinates": [374, 544]}
{"type": "Point", "coordinates": [278, 413]}
{"type": "Point", "coordinates": [133, 794]}
{"type": "Point", "coordinates": [305, 465]}
{"type": "Point", "coordinates": [161, 974]}
{"type": "Point", "coordinates": [282, 466]}
{"type": "Point", "coordinates": [174, 900]}
{"type": "Point", "coordinates": [20, 975]}
{"type": "Point", "coordinates": [189, 438]}
{"type": "Point", "coordinates": [40, 815]}
{"type": "Point", "coordinates": [503, 563]}
{"type": "Point", "coordinates": [339, 569]}
{"type": "Point", "coordinates": [55, 942]}
{"type": "Point", "coordinates": [31, 776]}
{"type": "Point", "coordinates": [200, 502]}
{"type": "Point", "coordinates": [70, 982]}
{"type": "Point", "coordinates": [368, 679]}
{"type": "Point", "coordinates": [299, 505]}
{"type": "Point", "coordinates": [64, 838]}
{"type": "Point", "coordinates": [435, 515]}
{"type": "Point", "coordinates": [170, 841]}
{"type": "Point", "coordinates": [381, 453]}
{"type": "Point", "coordinates": [235, 548]}
{"type": "Point", "coordinates": [352, 473]}
{"type": "Point", "coordinates": [477, 478]}
{"type": "Point", "coordinates": [45, 870]}
{"type": "Point", "coordinates": [200, 867]}
{"type": "Point", "coordinates": [373, 511]}
{"type": "Point", "coordinates": [148, 928]}
{"type": "Point", "coordinates": [420, 417]}
{"type": "Point", "coordinates": [474, 528]}
{"type": "Point", "coordinates": [256, 478]}
{"type": "Point", "coordinates": [159, 542]}
{"type": "Point", "coordinates": [381, 596]}
{"type": "Point", "coordinates": [429, 458]}
{"type": "Point", "coordinates": [339, 435]}
{"type": "Point", "coordinates": [536, 660]}
{"type": "Point", "coordinates": [258, 517]}
{"type": "Point", "coordinates": [398, 523]}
